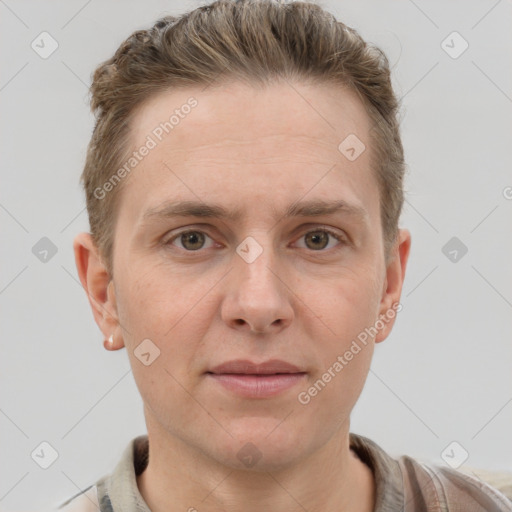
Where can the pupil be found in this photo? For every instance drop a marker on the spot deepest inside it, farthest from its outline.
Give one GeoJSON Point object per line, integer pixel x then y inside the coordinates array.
{"type": "Point", "coordinates": [192, 238]}
{"type": "Point", "coordinates": [316, 237]}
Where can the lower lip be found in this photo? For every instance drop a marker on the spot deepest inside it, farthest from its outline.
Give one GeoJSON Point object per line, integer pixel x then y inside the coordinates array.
{"type": "Point", "coordinates": [257, 386]}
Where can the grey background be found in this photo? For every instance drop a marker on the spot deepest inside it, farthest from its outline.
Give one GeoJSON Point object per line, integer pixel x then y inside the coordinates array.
{"type": "Point", "coordinates": [444, 374]}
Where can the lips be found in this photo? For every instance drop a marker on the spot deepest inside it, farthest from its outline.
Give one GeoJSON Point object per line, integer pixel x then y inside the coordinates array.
{"type": "Point", "coordinates": [256, 380]}
{"type": "Point", "coordinates": [245, 367]}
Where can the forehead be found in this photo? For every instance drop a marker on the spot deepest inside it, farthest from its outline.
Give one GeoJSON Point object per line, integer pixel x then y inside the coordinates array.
{"type": "Point", "coordinates": [234, 141]}
{"type": "Point", "coordinates": [322, 112]}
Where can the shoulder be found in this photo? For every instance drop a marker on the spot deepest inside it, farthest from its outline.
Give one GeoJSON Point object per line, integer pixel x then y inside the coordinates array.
{"type": "Point", "coordinates": [84, 501]}
{"type": "Point", "coordinates": [121, 482]}
{"type": "Point", "coordinates": [407, 484]}
{"type": "Point", "coordinates": [449, 489]}
{"type": "Point", "coordinates": [94, 498]}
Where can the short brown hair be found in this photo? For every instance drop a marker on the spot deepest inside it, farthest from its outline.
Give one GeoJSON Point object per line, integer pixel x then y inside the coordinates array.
{"type": "Point", "coordinates": [253, 40]}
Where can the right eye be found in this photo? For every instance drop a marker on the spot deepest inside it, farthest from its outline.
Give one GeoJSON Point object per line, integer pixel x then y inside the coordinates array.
{"type": "Point", "coordinates": [191, 240]}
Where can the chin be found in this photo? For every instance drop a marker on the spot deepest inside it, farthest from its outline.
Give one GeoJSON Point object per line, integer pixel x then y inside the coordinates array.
{"type": "Point", "coordinates": [260, 444]}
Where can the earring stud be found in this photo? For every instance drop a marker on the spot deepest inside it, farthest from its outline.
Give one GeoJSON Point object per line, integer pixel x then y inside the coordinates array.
{"type": "Point", "coordinates": [108, 344]}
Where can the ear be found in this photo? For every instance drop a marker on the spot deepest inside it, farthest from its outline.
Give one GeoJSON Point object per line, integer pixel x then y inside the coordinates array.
{"type": "Point", "coordinates": [99, 288]}
{"type": "Point", "coordinates": [392, 289]}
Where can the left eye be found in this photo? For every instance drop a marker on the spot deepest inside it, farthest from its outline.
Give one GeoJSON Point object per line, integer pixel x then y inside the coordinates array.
{"type": "Point", "coordinates": [319, 238]}
{"type": "Point", "coordinates": [193, 240]}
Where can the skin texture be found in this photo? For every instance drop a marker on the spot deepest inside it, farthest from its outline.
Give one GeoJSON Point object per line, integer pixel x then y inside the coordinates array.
{"type": "Point", "coordinates": [302, 300]}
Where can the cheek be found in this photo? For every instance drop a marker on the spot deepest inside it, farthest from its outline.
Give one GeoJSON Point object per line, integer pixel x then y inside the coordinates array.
{"type": "Point", "coordinates": [156, 309]}
{"type": "Point", "coordinates": [153, 303]}
{"type": "Point", "coordinates": [344, 351]}
{"type": "Point", "coordinates": [171, 311]}
{"type": "Point", "coordinates": [345, 309]}
{"type": "Point", "coordinates": [346, 305]}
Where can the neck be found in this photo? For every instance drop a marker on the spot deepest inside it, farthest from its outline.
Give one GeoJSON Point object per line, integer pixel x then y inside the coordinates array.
{"type": "Point", "coordinates": [179, 478]}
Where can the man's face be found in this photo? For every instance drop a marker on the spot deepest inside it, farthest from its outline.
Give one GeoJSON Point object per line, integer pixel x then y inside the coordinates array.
{"type": "Point", "coordinates": [291, 292]}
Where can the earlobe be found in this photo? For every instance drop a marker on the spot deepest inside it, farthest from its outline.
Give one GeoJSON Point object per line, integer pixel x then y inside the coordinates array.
{"type": "Point", "coordinates": [394, 279]}
{"type": "Point", "coordinates": [96, 282]}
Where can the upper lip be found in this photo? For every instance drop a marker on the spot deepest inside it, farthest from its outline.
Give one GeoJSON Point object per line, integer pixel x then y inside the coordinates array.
{"type": "Point", "coordinates": [243, 366]}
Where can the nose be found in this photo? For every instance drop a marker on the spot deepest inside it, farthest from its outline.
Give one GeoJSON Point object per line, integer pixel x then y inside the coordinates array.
{"type": "Point", "coordinates": [258, 297]}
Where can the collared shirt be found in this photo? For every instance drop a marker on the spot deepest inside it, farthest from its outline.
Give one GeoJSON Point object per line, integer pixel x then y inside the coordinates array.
{"type": "Point", "coordinates": [402, 485]}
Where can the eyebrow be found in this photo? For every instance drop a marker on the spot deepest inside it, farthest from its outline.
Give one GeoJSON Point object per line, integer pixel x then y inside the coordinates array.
{"type": "Point", "coordinates": [312, 208]}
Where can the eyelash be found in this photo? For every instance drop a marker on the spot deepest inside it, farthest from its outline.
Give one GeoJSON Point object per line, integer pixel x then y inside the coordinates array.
{"type": "Point", "coordinates": [340, 238]}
